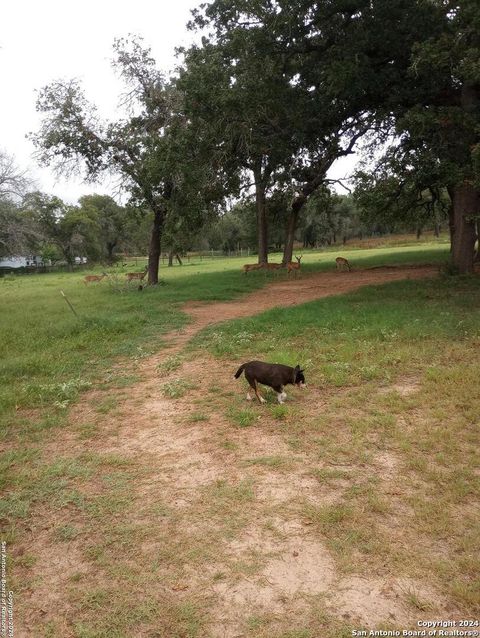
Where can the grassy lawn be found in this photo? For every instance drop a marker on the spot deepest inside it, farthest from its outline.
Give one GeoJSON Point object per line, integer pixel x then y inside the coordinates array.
{"type": "Point", "coordinates": [396, 369]}
{"type": "Point", "coordinates": [376, 462]}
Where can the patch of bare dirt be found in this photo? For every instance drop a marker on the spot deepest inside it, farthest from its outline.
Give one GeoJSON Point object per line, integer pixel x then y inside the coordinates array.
{"type": "Point", "coordinates": [293, 566]}
{"type": "Point", "coordinates": [404, 387]}
{"type": "Point", "coordinates": [387, 464]}
{"type": "Point", "coordinates": [373, 601]}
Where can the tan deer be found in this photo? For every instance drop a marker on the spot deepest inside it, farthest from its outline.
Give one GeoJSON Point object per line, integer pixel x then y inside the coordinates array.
{"type": "Point", "coordinates": [90, 278]}
{"type": "Point", "coordinates": [136, 275]}
{"type": "Point", "coordinates": [248, 267]}
{"type": "Point", "coordinates": [342, 263]}
{"type": "Point", "coordinates": [293, 266]}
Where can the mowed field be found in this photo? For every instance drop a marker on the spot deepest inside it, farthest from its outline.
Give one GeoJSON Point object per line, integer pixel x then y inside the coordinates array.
{"type": "Point", "coordinates": [144, 496]}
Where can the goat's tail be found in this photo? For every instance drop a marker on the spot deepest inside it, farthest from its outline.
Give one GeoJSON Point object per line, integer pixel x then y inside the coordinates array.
{"type": "Point", "coordinates": [239, 371]}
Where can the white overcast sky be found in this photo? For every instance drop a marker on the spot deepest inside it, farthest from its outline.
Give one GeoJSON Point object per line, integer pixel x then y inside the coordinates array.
{"type": "Point", "coordinates": [45, 40]}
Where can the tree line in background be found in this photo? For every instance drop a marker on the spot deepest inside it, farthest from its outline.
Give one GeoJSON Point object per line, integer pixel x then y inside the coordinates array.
{"type": "Point", "coordinates": [35, 223]}
{"type": "Point", "coordinates": [259, 111]}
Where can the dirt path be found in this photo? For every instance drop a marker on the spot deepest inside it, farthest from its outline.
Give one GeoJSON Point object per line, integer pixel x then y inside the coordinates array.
{"type": "Point", "coordinates": [232, 537]}
{"type": "Point", "coordinates": [292, 292]}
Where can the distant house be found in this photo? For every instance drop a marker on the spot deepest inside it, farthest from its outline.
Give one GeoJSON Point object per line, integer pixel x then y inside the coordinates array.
{"type": "Point", "coordinates": [33, 261]}
{"type": "Point", "coordinates": [18, 261]}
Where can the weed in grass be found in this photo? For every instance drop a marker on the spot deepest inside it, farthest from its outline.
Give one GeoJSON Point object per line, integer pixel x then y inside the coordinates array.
{"type": "Point", "coordinates": [87, 431]}
{"type": "Point", "coordinates": [414, 600]}
{"type": "Point", "coordinates": [242, 418]}
{"type": "Point", "coordinates": [254, 623]}
{"type": "Point", "coordinates": [376, 504]}
{"type": "Point", "coordinates": [218, 576]}
{"type": "Point", "coordinates": [141, 353]}
{"type": "Point", "coordinates": [106, 405]}
{"type": "Point", "coordinates": [170, 364]}
{"type": "Point", "coordinates": [229, 445]}
{"type": "Point", "coordinates": [418, 464]}
{"type": "Point", "coordinates": [95, 553]}
{"type": "Point", "coordinates": [327, 474]}
{"type": "Point", "coordinates": [268, 461]}
{"type": "Point", "coordinates": [279, 412]}
{"type": "Point", "coordinates": [328, 516]}
{"type": "Point", "coordinates": [177, 388]}
{"type": "Point", "coordinates": [60, 394]}
{"type": "Point", "coordinates": [66, 533]}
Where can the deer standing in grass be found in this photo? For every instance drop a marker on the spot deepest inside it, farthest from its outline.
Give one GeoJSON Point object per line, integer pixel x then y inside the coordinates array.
{"type": "Point", "coordinates": [136, 275]}
{"type": "Point", "coordinates": [293, 266]}
{"type": "Point", "coordinates": [89, 278]}
{"type": "Point", "coordinates": [342, 263]}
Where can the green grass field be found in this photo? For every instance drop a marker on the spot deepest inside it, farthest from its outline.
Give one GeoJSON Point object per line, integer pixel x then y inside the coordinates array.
{"type": "Point", "coordinates": [47, 354]}
{"type": "Point", "coordinates": [386, 436]}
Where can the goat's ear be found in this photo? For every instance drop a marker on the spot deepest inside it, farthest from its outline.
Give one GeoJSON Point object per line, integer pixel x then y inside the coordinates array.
{"type": "Point", "coordinates": [297, 369]}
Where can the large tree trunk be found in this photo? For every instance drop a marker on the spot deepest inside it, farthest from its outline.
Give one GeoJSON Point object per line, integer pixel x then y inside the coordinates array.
{"type": "Point", "coordinates": [466, 198]}
{"type": "Point", "coordinates": [466, 206]}
{"type": "Point", "coordinates": [297, 205]}
{"type": "Point", "coordinates": [261, 208]}
{"type": "Point", "coordinates": [155, 247]}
